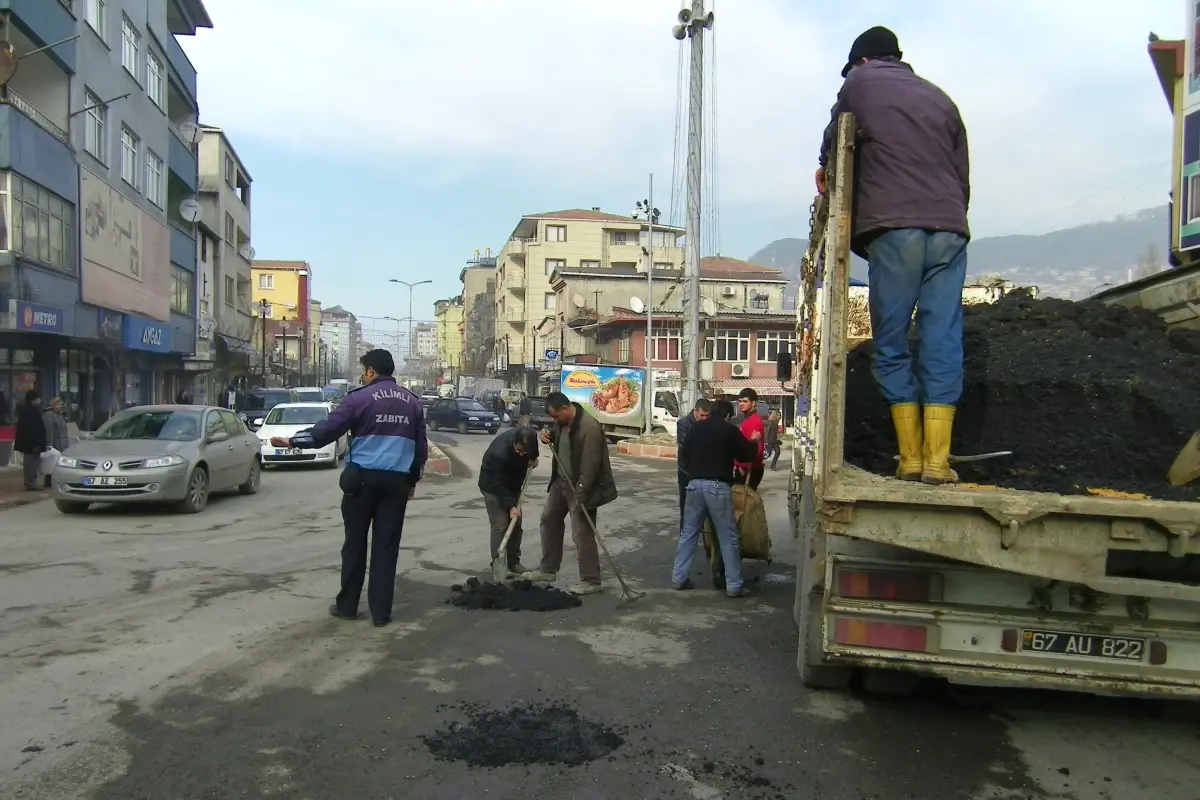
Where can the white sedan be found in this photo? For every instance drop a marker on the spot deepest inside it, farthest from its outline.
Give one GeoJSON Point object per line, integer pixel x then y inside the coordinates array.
{"type": "Point", "coordinates": [288, 419]}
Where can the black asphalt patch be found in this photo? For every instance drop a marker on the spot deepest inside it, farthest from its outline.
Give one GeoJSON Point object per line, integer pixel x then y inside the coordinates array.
{"type": "Point", "coordinates": [529, 734]}
{"type": "Point", "coordinates": [520, 596]}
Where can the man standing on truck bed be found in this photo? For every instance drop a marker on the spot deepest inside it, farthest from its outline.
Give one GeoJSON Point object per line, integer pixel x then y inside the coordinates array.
{"type": "Point", "coordinates": [911, 191]}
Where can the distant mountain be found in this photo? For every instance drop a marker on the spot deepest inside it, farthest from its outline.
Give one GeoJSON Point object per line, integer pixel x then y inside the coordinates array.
{"type": "Point", "coordinates": [1072, 263]}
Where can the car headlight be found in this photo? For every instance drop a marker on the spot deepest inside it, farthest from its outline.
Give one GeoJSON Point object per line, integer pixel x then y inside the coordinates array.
{"type": "Point", "coordinates": [473, 419]}
{"type": "Point", "coordinates": [68, 462]}
{"type": "Point", "coordinates": [164, 461]}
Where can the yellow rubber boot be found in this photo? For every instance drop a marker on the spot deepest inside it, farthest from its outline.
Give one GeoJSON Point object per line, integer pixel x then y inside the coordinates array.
{"type": "Point", "coordinates": [907, 419]}
{"type": "Point", "coordinates": [939, 424]}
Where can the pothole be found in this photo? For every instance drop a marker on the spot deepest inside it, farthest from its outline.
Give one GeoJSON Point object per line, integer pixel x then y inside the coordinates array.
{"type": "Point", "coordinates": [529, 734]}
{"type": "Point", "coordinates": [520, 596]}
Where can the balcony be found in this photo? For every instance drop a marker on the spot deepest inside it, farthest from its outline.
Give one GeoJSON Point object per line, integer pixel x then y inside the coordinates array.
{"type": "Point", "coordinates": [515, 316]}
{"type": "Point", "coordinates": [44, 122]}
{"type": "Point", "coordinates": [182, 70]}
{"type": "Point", "coordinates": [514, 278]}
{"type": "Point", "coordinates": [183, 248]}
{"type": "Point", "coordinates": [30, 149]}
{"type": "Point", "coordinates": [44, 22]}
{"type": "Point", "coordinates": [518, 244]}
{"type": "Point", "coordinates": [182, 161]}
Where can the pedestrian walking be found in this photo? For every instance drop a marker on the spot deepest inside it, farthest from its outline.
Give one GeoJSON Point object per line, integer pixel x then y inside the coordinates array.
{"type": "Point", "coordinates": [700, 412]}
{"type": "Point", "coordinates": [911, 192]}
{"type": "Point", "coordinates": [30, 439]}
{"type": "Point", "coordinates": [525, 410]}
{"type": "Point", "coordinates": [578, 441]}
{"type": "Point", "coordinates": [771, 438]}
{"type": "Point", "coordinates": [708, 454]}
{"type": "Point", "coordinates": [508, 459]}
{"type": "Point", "coordinates": [386, 457]}
{"type": "Point", "coordinates": [57, 433]}
{"type": "Point", "coordinates": [752, 428]}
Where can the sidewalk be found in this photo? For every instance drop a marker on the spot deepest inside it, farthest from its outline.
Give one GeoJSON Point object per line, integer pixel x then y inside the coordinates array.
{"type": "Point", "coordinates": [12, 490]}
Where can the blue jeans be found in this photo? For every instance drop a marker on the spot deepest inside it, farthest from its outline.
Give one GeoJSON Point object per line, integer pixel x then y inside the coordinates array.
{"type": "Point", "coordinates": [924, 270]}
{"type": "Point", "coordinates": [712, 499]}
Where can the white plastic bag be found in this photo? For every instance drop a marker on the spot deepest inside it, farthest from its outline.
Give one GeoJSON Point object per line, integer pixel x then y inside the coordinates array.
{"type": "Point", "coordinates": [49, 459]}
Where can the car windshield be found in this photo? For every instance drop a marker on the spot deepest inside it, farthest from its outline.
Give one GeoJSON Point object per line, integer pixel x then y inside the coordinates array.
{"type": "Point", "coordinates": [310, 396]}
{"type": "Point", "coordinates": [470, 405]}
{"type": "Point", "coordinates": [303, 415]}
{"type": "Point", "coordinates": [262, 401]}
{"type": "Point", "coordinates": [172, 426]}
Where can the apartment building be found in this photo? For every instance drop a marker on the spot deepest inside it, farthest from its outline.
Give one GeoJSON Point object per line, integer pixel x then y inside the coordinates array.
{"type": "Point", "coordinates": [341, 332]}
{"type": "Point", "coordinates": [425, 340]}
{"type": "Point", "coordinates": [448, 314]}
{"type": "Point", "coordinates": [542, 245]}
{"type": "Point", "coordinates": [282, 298]}
{"type": "Point", "coordinates": [479, 313]}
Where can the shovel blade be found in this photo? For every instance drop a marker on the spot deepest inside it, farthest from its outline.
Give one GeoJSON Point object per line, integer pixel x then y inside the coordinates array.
{"type": "Point", "coordinates": [500, 569]}
{"type": "Point", "coordinates": [1187, 464]}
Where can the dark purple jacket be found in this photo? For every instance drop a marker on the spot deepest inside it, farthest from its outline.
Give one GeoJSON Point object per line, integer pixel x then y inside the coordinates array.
{"type": "Point", "coordinates": [911, 168]}
{"type": "Point", "coordinates": [388, 426]}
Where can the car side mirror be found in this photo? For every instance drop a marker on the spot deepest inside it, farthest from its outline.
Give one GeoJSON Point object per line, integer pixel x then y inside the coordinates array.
{"type": "Point", "coordinates": [254, 424]}
{"type": "Point", "coordinates": [783, 366]}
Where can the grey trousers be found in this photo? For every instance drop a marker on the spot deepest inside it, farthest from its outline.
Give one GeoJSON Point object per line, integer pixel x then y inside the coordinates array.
{"type": "Point", "coordinates": [498, 522]}
{"type": "Point", "coordinates": [560, 502]}
{"type": "Point", "coordinates": [30, 463]}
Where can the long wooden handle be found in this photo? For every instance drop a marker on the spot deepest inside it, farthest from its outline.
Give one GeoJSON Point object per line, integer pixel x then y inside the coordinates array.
{"type": "Point", "coordinates": [512, 522]}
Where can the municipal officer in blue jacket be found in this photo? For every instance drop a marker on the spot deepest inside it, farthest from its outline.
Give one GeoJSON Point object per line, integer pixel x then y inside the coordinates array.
{"type": "Point", "coordinates": [387, 454]}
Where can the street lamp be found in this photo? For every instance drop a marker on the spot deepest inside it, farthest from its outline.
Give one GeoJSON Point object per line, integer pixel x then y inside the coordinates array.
{"type": "Point", "coordinates": [410, 316]}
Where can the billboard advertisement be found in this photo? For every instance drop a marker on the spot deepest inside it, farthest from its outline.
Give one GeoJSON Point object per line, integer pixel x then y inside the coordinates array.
{"type": "Point", "coordinates": [126, 252]}
{"type": "Point", "coordinates": [613, 395]}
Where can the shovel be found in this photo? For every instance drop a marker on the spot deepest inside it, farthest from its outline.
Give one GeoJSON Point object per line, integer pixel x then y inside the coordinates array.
{"type": "Point", "coordinates": [1187, 464]}
{"type": "Point", "coordinates": [500, 562]}
{"type": "Point", "coordinates": [626, 592]}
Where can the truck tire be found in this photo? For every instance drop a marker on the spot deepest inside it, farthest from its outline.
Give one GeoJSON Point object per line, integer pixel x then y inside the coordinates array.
{"type": "Point", "coordinates": [813, 672]}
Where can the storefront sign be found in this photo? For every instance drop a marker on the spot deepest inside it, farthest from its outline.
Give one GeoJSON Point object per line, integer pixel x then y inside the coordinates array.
{"type": "Point", "coordinates": [37, 318]}
{"type": "Point", "coordinates": [146, 334]}
{"type": "Point", "coordinates": [111, 325]}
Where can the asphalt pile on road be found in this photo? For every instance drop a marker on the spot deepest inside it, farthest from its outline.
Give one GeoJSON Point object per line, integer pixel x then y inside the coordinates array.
{"type": "Point", "coordinates": [520, 596]}
{"type": "Point", "coordinates": [524, 734]}
{"type": "Point", "coordinates": [1090, 398]}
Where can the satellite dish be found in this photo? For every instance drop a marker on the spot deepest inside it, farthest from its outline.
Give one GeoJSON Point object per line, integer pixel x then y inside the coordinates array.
{"type": "Point", "coordinates": [189, 210]}
{"type": "Point", "coordinates": [190, 132]}
{"type": "Point", "coordinates": [8, 61]}
{"type": "Point", "coordinates": [578, 300]}
{"type": "Point", "coordinates": [707, 306]}
{"type": "Point", "coordinates": [637, 305]}
{"type": "Point", "coordinates": [247, 252]}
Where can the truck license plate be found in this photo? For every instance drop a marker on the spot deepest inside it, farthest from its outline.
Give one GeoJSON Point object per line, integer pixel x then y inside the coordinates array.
{"type": "Point", "coordinates": [105, 480]}
{"type": "Point", "coordinates": [1118, 648]}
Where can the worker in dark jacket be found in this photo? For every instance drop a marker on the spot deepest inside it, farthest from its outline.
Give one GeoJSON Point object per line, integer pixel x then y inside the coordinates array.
{"type": "Point", "coordinates": [387, 455]}
{"type": "Point", "coordinates": [578, 442]}
{"type": "Point", "coordinates": [30, 439]}
{"type": "Point", "coordinates": [911, 192]}
{"type": "Point", "coordinates": [708, 454]}
{"type": "Point", "coordinates": [507, 461]}
{"type": "Point", "coordinates": [700, 412]}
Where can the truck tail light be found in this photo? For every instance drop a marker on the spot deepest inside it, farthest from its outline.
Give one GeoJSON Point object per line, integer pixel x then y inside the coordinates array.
{"type": "Point", "coordinates": [881, 635]}
{"type": "Point", "coordinates": [903, 585]}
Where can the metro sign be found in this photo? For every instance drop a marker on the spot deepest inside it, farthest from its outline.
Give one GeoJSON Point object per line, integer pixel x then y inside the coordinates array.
{"type": "Point", "coordinates": [40, 319]}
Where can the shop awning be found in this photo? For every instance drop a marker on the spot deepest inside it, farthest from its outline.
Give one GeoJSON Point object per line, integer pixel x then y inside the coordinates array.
{"type": "Point", "coordinates": [237, 345]}
{"type": "Point", "coordinates": [765, 387]}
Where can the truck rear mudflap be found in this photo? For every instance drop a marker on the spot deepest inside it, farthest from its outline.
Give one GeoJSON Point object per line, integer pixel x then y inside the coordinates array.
{"type": "Point", "coordinates": [973, 625]}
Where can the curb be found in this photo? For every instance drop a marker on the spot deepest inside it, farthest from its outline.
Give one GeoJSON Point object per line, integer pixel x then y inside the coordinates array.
{"type": "Point", "coordinates": [437, 463]}
{"type": "Point", "coordinates": [647, 450]}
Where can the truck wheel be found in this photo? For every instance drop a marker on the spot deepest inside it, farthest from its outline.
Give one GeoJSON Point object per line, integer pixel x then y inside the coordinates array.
{"type": "Point", "coordinates": [889, 681]}
{"type": "Point", "coordinates": [813, 672]}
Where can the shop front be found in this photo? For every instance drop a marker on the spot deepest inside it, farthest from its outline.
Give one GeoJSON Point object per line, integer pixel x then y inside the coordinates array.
{"type": "Point", "coordinates": [149, 363]}
{"type": "Point", "coordinates": [30, 337]}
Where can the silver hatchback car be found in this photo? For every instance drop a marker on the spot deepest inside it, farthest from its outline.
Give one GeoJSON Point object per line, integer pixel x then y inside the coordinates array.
{"type": "Point", "coordinates": [159, 454]}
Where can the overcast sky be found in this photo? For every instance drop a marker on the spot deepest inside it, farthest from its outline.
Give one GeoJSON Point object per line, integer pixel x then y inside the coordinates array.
{"type": "Point", "coordinates": [390, 138]}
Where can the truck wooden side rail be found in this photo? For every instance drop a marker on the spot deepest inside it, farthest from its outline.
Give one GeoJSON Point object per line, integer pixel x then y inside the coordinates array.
{"type": "Point", "coordinates": [974, 584]}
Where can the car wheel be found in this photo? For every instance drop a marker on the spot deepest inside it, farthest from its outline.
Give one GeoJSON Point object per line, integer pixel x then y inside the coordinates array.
{"type": "Point", "coordinates": [462, 427]}
{"type": "Point", "coordinates": [197, 492]}
{"type": "Point", "coordinates": [67, 507]}
{"type": "Point", "coordinates": [254, 480]}
{"type": "Point", "coordinates": [433, 426]}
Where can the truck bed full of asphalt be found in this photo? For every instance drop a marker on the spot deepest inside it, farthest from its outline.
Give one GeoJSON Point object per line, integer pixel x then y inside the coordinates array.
{"type": "Point", "coordinates": [1087, 396]}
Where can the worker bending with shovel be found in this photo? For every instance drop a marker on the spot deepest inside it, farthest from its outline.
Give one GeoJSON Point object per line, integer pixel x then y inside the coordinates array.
{"type": "Point", "coordinates": [581, 480]}
{"type": "Point", "coordinates": [502, 475]}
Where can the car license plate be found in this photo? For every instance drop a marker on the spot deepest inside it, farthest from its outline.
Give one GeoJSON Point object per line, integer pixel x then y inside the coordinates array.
{"type": "Point", "coordinates": [105, 480]}
{"type": "Point", "coordinates": [1087, 645]}
{"type": "Point", "coordinates": [290, 451]}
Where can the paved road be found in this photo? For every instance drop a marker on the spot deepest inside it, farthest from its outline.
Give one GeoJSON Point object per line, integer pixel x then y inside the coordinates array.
{"type": "Point", "coordinates": [164, 656]}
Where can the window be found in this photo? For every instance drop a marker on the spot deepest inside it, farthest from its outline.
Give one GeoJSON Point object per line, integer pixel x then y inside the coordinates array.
{"type": "Point", "coordinates": [230, 290]}
{"type": "Point", "coordinates": [93, 132]}
{"type": "Point", "coordinates": [548, 302]}
{"type": "Point", "coordinates": [230, 170]}
{"type": "Point", "coordinates": [664, 265]}
{"type": "Point", "coordinates": [230, 229]}
{"type": "Point", "coordinates": [556, 233]}
{"type": "Point", "coordinates": [203, 249]}
{"type": "Point", "coordinates": [154, 179]}
{"type": "Point", "coordinates": [266, 281]}
{"type": "Point", "coordinates": [727, 344]}
{"type": "Point", "coordinates": [588, 264]}
{"type": "Point", "coordinates": [769, 343]}
{"type": "Point", "coordinates": [666, 342]}
{"type": "Point", "coordinates": [661, 239]}
{"type": "Point", "coordinates": [182, 285]}
{"type": "Point", "coordinates": [95, 12]}
{"type": "Point", "coordinates": [155, 84]}
{"type": "Point", "coordinates": [553, 264]}
{"type": "Point", "coordinates": [129, 157]}
{"type": "Point", "coordinates": [623, 348]}
{"type": "Point", "coordinates": [623, 237]}
{"type": "Point", "coordinates": [131, 48]}
{"type": "Point", "coordinates": [1193, 210]}
{"type": "Point", "coordinates": [42, 225]}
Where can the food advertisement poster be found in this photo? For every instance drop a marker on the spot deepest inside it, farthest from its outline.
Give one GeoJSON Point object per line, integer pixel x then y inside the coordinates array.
{"type": "Point", "coordinates": [612, 395]}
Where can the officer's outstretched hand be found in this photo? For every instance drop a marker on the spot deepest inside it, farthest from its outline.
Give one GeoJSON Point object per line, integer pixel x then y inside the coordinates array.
{"type": "Point", "coordinates": [280, 441]}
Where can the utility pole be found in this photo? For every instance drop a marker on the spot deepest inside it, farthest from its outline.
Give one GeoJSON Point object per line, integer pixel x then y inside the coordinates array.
{"type": "Point", "coordinates": [648, 388]}
{"type": "Point", "coordinates": [263, 308]}
{"type": "Point", "coordinates": [410, 315]}
{"type": "Point", "coordinates": [692, 24]}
